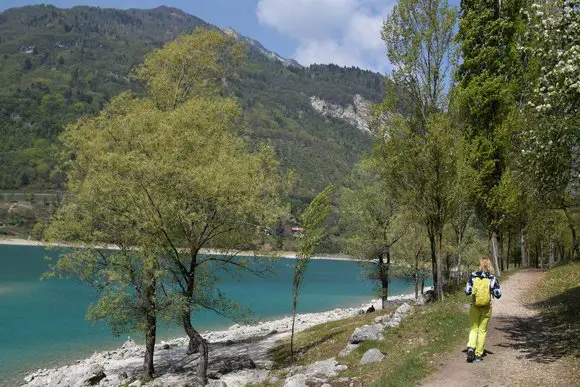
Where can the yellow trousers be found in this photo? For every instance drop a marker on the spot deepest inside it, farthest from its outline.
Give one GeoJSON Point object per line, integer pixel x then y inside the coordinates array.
{"type": "Point", "coordinates": [479, 317]}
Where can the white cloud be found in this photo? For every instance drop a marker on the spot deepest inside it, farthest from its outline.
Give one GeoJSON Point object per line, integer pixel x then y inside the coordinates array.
{"type": "Point", "coordinates": [344, 32]}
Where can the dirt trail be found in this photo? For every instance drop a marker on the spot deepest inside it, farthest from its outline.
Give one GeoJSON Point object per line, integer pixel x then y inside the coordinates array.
{"type": "Point", "coordinates": [514, 333]}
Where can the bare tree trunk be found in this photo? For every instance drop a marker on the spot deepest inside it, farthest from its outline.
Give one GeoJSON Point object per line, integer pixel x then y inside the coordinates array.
{"type": "Point", "coordinates": [422, 282]}
{"type": "Point", "coordinates": [459, 240]}
{"type": "Point", "coordinates": [575, 250]}
{"type": "Point", "coordinates": [501, 252]}
{"type": "Point", "coordinates": [551, 258]}
{"type": "Point", "coordinates": [196, 344]}
{"type": "Point", "coordinates": [509, 250]}
{"type": "Point", "coordinates": [416, 276]}
{"type": "Point", "coordinates": [150, 336]}
{"type": "Point", "coordinates": [495, 253]}
{"type": "Point", "coordinates": [294, 304]}
{"type": "Point", "coordinates": [384, 276]}
{"type": "Point", "coordinates": [150, 329]}
{"type": "Point", "coordinates": [440, 293]}
{"type": "Point", "coordinates": [434, 266]}
{"type": "Point", "coordinates": [524, 262]}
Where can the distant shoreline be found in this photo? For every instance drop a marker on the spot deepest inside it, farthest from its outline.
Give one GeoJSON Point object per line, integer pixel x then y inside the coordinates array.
{"type": "Point", "coordinates": [281, 254]}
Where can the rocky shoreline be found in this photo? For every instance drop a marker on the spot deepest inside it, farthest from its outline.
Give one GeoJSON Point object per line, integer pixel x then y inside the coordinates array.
{"type": "Point", "coordinates": [238, 355]}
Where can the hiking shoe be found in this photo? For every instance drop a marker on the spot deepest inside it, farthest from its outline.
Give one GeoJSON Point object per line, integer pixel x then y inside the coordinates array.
{"type": "Point", "coordinates": [478, 359]}
{"type": "Point", "coordinates": [470, 355]}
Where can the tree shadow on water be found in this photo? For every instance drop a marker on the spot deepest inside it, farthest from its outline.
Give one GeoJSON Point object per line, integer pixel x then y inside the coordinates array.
{"type": "Point", "coordinates": [553, 334]}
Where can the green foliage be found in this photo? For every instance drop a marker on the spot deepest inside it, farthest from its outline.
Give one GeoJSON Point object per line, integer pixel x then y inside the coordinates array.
{"type": "Point", "coordinates": [552, 130]}
{"type": "Point", "coordinates": [313, 221]}
{"type": "Point", "coordinates": [419, 39]}
{"type": "Point", "coordinates": [183, 69]}
{"type": "Point", "coordinates": [370, 214]}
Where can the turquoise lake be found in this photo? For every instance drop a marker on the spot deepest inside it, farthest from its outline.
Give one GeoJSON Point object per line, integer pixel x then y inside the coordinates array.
{"type": "Point", "coordinates": [42, 322]}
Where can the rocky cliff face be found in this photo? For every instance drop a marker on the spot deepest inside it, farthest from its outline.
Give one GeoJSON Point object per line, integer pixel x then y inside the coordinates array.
{"type": "Point", "coordinates": [356, 114]}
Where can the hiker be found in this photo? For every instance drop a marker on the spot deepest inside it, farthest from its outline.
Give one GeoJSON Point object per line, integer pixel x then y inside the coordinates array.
{"type": "Point", "coordinates": [481, 286]}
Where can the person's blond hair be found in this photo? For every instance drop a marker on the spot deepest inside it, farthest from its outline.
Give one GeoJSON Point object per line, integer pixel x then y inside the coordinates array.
{"type": "Point", "coordinates": [485, 265]}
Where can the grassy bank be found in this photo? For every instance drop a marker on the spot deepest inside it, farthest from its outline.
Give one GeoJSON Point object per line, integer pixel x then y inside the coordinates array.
{"type": "Point", "coordinates": [413, 349]}
{"type": "Point", "coordinates": [558, 299]}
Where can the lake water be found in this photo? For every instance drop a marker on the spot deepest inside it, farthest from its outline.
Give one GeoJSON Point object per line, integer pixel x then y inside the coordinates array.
{"type": "Point", "coordinates": [42, 323]}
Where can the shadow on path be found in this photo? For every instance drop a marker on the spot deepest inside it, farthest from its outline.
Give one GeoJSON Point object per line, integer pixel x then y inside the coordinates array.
{"type": "Point", "coordinates": [553, 334]}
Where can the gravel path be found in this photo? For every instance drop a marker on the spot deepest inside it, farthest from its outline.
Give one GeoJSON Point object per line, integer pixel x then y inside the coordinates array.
{"type": "Point", "coordinates": [514, 333]}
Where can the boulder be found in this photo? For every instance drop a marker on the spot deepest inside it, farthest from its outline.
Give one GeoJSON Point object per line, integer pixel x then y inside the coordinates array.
{"type": "Point", "coordinates": [395, 321]}
{"type": "Point", "coordinates": [371, 356]}
{"type": "Point", "coordinates": [384, 319]}
{"type": "Point", "coordinates": [401, 312]}
{"type": "Point", "coordinates": [367, 332]}
{"type": "Point", "coordinates": [322, 369]}
{"type": "Point", "coordinates": [95, 374]}
{"type": "Point", "coordinates": [404, 310]}
{"type": "Point", "coordinates": [347, 350]}
{"type": "Point", "coordinates": [298, 380]}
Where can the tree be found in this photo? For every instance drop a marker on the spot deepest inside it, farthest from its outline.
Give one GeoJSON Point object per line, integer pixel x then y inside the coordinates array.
{"type": "Point", "coordinates": [465, 189]}
{"type": "Point", "coordinates": [552, 131]}
{"type": "Point", "coordinates": [489, 87]}
{"type": "Point", "coordinates": [419, 39]}
{"type": "Point", "coordinates": [372, 223]}
{"type": "Point", "coordinates": [422, 170]}
{"type": "Point", "coordinates": [312, 220]}
{"type": "Point", "coordinates": [176, 178]}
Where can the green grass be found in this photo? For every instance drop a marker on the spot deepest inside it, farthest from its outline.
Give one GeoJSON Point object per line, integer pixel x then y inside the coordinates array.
{"type": "Point", "coordinates": [413, 348]}
{"type": "Point", "coordinates": [558, 298]}
{"type": "Point", "coordinates": [321, 341]}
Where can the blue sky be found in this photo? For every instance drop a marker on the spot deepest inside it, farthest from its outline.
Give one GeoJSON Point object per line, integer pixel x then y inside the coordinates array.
{"type": "Point", "coordinates": [345, 32]}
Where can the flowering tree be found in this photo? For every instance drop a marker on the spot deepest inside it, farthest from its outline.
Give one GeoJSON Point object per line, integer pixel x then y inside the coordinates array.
{"type": "Point", "coordinates": [550, 143]}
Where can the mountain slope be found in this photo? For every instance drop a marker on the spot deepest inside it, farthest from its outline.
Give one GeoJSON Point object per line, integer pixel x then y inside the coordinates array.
{"type": "Point", "coordinates": [58, 64]}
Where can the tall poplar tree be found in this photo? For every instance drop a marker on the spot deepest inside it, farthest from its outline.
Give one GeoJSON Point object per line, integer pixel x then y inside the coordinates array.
{"type": "Point", "coordinates": [488, 89]}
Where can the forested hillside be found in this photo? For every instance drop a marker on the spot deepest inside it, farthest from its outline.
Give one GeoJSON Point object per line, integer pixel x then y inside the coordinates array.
{"type": "Point", "coordinates": [59, 64]}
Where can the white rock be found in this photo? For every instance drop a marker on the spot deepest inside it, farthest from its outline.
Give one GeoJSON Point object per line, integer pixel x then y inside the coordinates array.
{"type": "Point", "coordinates": [298, 380]}
{"type": "Point", "coordinates": [347, 350]}
{"type": "Point", "coordinates": [356, 114]}
{"type": "Point", "coordinates": [371, 356]}
{"type": "Point", "coordinates": [404, 309]}
{"type": "Point", "coordinates": [366, 332]}
{"type": "Point", "coordinates": [382, 319]}
{"type": "Point", "coordinates": [322, 369]}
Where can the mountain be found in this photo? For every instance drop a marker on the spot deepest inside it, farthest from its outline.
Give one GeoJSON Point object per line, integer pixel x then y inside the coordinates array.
{"type": "Point", "coordinates": [59, 64]}
{"type": "Point", "coordinates": [261, 49]}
